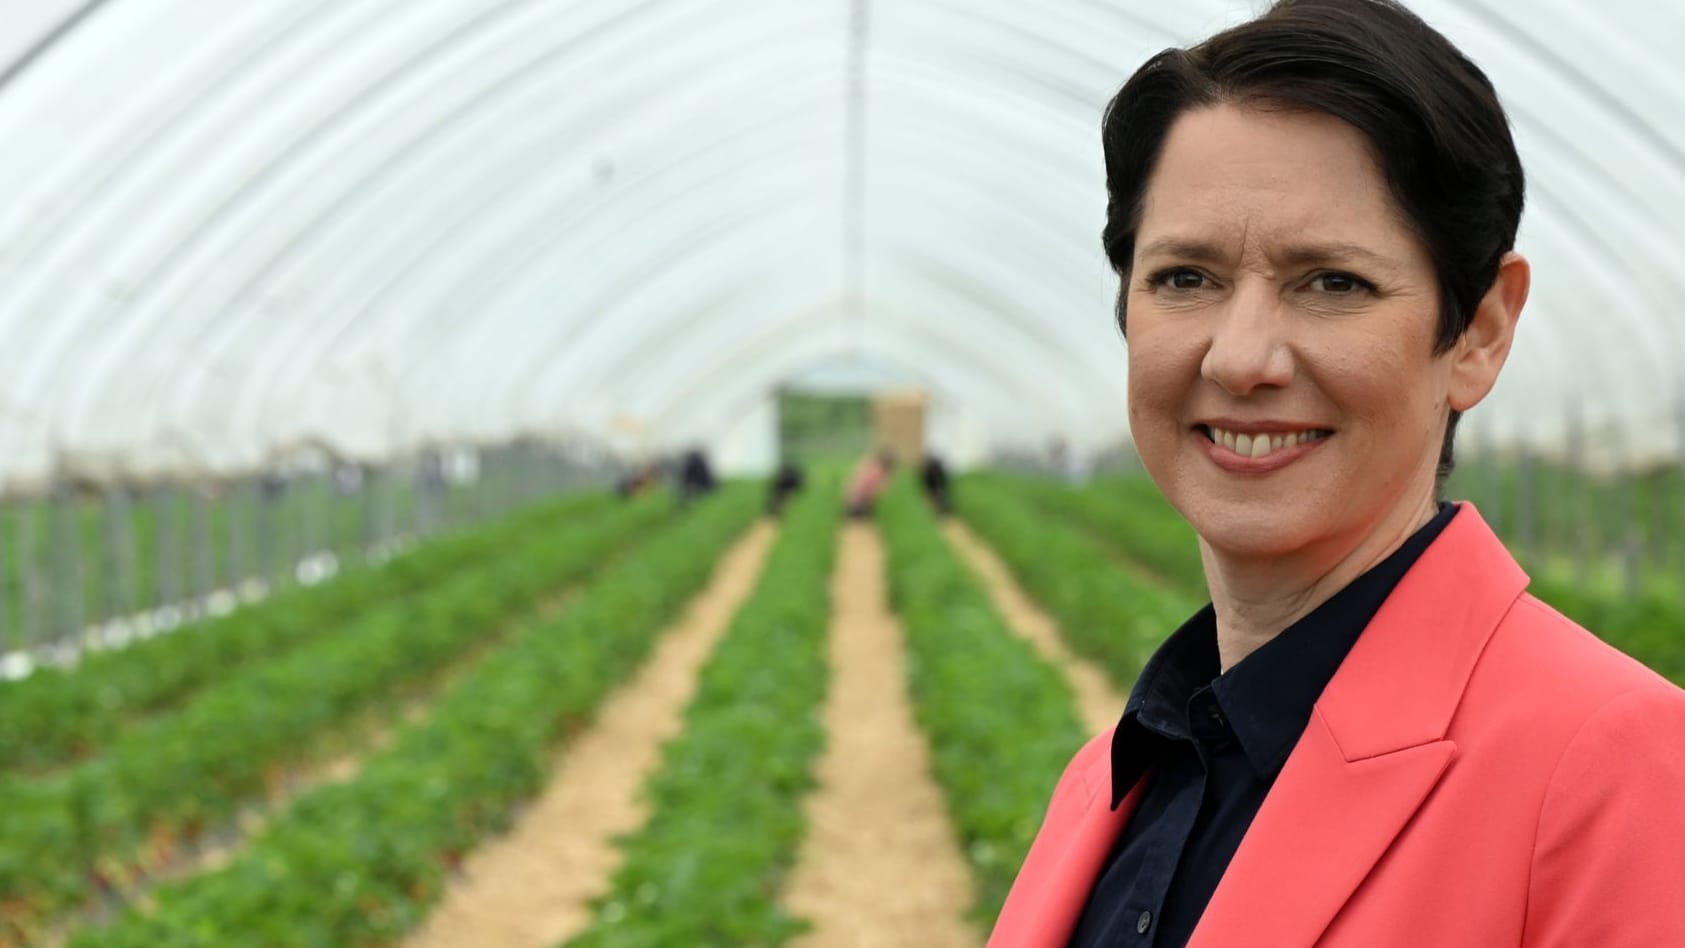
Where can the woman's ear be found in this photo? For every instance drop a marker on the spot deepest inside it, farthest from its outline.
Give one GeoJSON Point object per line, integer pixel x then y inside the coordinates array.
{"type": "Point", "coordinates": [1480, 353]}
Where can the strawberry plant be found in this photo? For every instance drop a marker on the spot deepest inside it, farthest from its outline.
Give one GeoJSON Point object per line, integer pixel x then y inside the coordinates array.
{"type": "Point", "coordinates": [1106, 613]}
{"type": "Point", "coordinates": [1002, 722]}
{"type": "Point", "coordinates": [360, 862]}
{"type": "Point", "coordinates": [726, 818]}
{"type": "Point", "coordinates": [184, 772]}
{"type": "Point", "coordinates": [56, 716]}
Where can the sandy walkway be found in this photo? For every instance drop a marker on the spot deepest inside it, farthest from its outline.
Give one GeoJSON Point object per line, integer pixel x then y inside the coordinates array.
{"type": "Point", "coordinates": [879, 866]}
{"type": "Point", "coordinates": [1098, 703]}
{"type": "Point", "coordinates": [532, 886]}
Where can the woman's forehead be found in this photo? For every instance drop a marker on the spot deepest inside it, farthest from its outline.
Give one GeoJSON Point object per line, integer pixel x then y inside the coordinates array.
{"type": "Point", "coordinates": [1304, 184]}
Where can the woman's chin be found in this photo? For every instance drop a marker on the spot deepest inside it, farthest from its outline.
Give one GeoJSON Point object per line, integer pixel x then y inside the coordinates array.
{"type": "Point", "coordinates": [1253, 534]}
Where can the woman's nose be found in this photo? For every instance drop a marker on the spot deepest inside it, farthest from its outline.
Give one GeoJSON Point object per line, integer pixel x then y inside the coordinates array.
{"type": "Point", "coordinates": [1249, 347]}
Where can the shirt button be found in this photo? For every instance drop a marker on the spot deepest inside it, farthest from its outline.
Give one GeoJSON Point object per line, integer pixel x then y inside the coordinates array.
{"type": "Point", "coordinates": [1143, 923]}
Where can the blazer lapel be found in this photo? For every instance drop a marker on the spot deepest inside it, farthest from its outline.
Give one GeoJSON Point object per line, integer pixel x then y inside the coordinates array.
{"type": "Point", "coordinates": [1073, 878]}
{"type": "Point", "coordinates": [1374, 749]}
{"type": "Point", "coordinates": [1316, 837]}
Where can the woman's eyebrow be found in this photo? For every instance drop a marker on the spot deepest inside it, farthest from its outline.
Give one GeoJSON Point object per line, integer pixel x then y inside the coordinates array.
{"type": "Point", "coordinates": [1183, 248]}
{"type": "Point", "coordinates": [1330, 253]}
{"type": "Point", "coordinates": [1313, 255]}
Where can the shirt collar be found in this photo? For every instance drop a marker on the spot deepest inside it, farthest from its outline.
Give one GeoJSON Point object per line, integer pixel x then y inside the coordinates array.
{"type": "Point", "coordinates": [1267, 697]}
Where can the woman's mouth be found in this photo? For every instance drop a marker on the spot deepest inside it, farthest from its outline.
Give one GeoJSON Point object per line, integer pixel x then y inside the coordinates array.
{"type": "Point", "coordinates": [1262, 443]}
{"type": "Point", "coordinates": [1259, 452]}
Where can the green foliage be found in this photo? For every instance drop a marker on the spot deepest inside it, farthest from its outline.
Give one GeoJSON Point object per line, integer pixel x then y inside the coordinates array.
{"type": "Point", "coordinates": [1106, 613]}
{"type": "Point", "coordinates": [360, 862]}
{"type": "Point", "coordinates": [1128, 515]}
{"type": "Point", "coordinates": [183, 772]}
{"type": "Point", "coordinates": [58, 715]}
{"type": "Point", "coordinates": [1002, 722]}
{"type": "Point", "coordinates": [709, 866]}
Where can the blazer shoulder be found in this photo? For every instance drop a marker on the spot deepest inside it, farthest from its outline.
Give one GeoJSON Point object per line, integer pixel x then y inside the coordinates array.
{"type": "Point", "coordinates": [1544, 668]}
{"type": "Point", "coordinates": [1577, 660]}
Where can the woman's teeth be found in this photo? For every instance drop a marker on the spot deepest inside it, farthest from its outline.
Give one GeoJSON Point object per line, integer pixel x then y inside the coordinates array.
{"type": "Point", "coordinates": [1260, 445]}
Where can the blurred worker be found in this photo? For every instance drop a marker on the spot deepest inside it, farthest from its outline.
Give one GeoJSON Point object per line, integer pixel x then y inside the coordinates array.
{"type": "Point", "coordinates": [870, 477]}
{"type": "Point", "coordinates": [786, 482]}
{"type": "Point", "coordinates": [696, 476]}
{"type": "Point", "coordinates": [935, 477]}
{"type": "Point", "coordinates": [642, 477]}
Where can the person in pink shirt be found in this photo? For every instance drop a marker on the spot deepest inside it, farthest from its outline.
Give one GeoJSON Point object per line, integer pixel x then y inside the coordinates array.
{"type": "Point", "coordinates": [870, 477]}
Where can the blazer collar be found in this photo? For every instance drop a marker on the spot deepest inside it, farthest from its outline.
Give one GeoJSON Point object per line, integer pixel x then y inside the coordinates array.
{"type": "Point", "coordinates": [1378, 735]}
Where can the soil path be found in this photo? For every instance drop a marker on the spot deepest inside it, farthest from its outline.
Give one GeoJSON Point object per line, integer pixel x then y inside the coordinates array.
{"type": "Point", "coordinates": [533, 886]}
{"type": "Point", "coordinates": [879, 866]}
{"type": "Point", "coordinates": [1099, 704]}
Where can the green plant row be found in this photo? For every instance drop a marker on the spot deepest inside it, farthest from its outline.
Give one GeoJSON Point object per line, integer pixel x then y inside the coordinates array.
{"type": "Point", "coordinates": [359, 863]}
{"type": "Point", "coordinates": [56, 716]}
{"type": "Point", "coordinates": [1129, 515]}
{"type": "Point", "coordinates": [709, 866]}
{"type": "Point", "coordinates": [1106, 613]}
{"type": "Point", "coordinates": [1002, 722]}
{"type": "Point", "coordinates": [187, 771]}
{"type": "Point", "coordinates": [1126, 515]}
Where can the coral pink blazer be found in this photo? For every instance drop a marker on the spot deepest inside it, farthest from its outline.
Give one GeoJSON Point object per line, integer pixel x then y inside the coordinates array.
{"type": "Point", "coordinates": [1480, 772]}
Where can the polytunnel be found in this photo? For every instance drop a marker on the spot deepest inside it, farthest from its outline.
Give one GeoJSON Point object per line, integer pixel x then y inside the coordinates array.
{"type": "Point", "coordinates": [227, 231]}
{"type": "Point", "coordinates": [659, 473]}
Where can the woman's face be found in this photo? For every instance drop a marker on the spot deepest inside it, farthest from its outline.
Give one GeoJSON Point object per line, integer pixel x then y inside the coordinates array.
{"type": "Point", "coordinates": [1283, 389]}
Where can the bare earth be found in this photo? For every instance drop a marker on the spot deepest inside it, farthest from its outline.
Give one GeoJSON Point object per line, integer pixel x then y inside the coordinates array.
{"type": "Point", "coordinates": [1099, 705]}
{"type": "Point", "coordinates": [879, 866]}
{"type": "Point", "coordinates": [533, 886]}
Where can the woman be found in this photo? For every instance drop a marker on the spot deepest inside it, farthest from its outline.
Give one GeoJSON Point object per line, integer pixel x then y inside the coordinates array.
{"type": "Point", "coordinates": [1372, 736]}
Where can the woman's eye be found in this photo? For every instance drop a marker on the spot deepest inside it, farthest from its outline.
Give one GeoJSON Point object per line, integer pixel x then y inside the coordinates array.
{"type": "Point", "coordinates": [1179, 278]}
{"type": "Point", "coordinates": [1338, 284]}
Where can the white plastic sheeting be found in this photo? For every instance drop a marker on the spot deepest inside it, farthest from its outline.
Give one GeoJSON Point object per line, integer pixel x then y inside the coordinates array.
{"type": "Point", "coordinates": [228, 230]}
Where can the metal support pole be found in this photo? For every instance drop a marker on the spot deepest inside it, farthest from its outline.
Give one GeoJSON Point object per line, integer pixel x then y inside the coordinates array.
{"type": "Point", "coordinates": [67, 576]}
{"type": "Point", "coordinates": [29, 562]}
{"type": "Point", "coordinates": [1679, 483]}
{"type": "Point", "coordinates": [1526, 534]}
{"type": "Point", "coordinates": [8, 640]}
{"type": "Point", "coordinates": [1580, 537]}
{"type": "Point", "coordinates": [1631, 547]}
{"type": "Point", "coordinates": [204, 561]}
{"type": "Point", "coordinates": [166, 565]}
{"type": "Point", "coordinates": [119, 554]}
{"type": "Point", "coordinates": [271, 536]}
{"type": "Point", "coordinates": [234, 507]}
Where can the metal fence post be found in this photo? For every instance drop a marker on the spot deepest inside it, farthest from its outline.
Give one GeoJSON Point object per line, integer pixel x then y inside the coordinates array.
{"type": "Point", "coordinates": [1526, 526]}
{"type": "Point", "coordinates": [7, 535]}
{"type": "Point", "coordinates": [69, 584]}
{"type": "Point", "coordinates": [119, 555]}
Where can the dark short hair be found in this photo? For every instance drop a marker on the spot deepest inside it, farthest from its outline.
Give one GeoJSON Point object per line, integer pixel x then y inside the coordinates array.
{"type": "Point", "coordinates": [1438, 132]}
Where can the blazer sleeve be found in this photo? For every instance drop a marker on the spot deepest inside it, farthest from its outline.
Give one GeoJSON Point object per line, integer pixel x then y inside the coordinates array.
{"type": "Point", "coordinates": [1609, 858]}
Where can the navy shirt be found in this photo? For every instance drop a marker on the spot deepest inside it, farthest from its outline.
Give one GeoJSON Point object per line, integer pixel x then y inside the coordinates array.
{"type": "Point", "coordinates": [1215, 743]}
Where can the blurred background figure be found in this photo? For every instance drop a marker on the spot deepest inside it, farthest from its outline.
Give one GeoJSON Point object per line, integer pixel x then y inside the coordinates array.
{"type": "Point", "coordinates": [934, 475]}
{"type": "Point", "coordinates": [870, 477]}
{"type": "Point", "coordinates": [785, 483]}
{"type": "Point", "coordinates": [696, 476]}
{"type": "Point", "coordinates": [641, 478]}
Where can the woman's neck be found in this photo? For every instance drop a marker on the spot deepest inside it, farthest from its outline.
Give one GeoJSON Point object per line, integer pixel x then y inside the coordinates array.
{"type": "Point", "coordinates": [1256, 598]}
